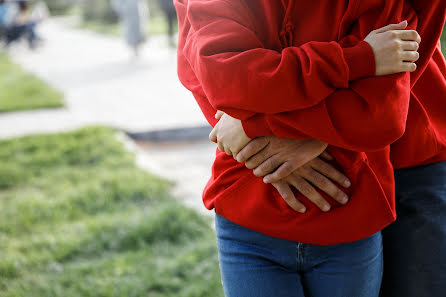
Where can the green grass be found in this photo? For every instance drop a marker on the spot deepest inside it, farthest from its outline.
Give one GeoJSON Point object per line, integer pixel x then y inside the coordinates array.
{"type": "Point", "coordinates": [443, 42]}
{"type": "Point", "coordinates": [79, 219]}
{"type": "Point", "coordinates": [21, 90]}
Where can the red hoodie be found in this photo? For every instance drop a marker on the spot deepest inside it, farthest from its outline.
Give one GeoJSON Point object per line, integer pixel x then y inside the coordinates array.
{"type": "Point", "coordinates": [296, 70]}
{"type": "Point", "coordinates": [424, 141]}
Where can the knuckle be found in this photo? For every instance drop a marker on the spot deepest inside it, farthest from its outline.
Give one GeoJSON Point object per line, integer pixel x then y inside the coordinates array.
{"type": "Point", "coordinates": [319, 180]}
{"type": "Point", "coordinates": [241, 156]}
{"type": "Point", "coordinates": [287, 168]}
{"type": "Point", "coordinates": [306, 189]}
{"type": "Point", "coordinates": [393, 34]}
{"type": "Point", "coordinates": [415, 46]}
{"type": "Point", "coordinates": [258, 144]}
{"type": "Point", "coordinates": [338, 195]}
{"type": "Point", "coordinates": [249, 165]}
{"type": "Point", "coordinates": [287, 197]}
{"type": "Point", "coordinates": [258, 172]}
{"type": "Point", "coordinates": [270, 164]}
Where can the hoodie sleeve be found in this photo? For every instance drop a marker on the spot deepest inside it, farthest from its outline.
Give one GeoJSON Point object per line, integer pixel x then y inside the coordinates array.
{"type": "Point", "coordinates": [364, 115]}
{"type": "Point", "coordinates": [242, 77]}
{"type": "Point", "coordinates": [379, 119]}
{"type": "Point", "coordinates": [431, 20]}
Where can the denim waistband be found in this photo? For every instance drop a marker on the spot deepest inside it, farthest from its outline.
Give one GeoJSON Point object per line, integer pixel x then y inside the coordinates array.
{"type": "Point", "coordinates": [415, 178]}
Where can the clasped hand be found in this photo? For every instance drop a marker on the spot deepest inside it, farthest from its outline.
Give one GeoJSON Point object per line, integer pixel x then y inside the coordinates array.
{"type": "Point", "coordinates": [283, 162]}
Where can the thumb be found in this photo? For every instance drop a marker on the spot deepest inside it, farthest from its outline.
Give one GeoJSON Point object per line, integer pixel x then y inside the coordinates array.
{"type": "Point", "coordinates": [213, 134]}
{"type": "Point", "coordinates": [401, 26]}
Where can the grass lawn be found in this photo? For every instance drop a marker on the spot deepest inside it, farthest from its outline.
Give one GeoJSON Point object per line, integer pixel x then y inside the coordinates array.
{"type": "Point", "coordinates": [21, 90]}
{"type": "Point", "coordinates": [78, 218]}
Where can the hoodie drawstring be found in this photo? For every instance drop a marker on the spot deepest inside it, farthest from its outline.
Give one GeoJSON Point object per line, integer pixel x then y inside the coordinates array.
{"type": "Point", "coordinates": [287, 32]}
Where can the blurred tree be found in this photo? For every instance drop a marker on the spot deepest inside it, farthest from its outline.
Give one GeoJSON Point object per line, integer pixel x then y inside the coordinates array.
{"type": "Point", "coordinates": [99, 10]}
{"type": "Point", "coordinates": [60, 6]}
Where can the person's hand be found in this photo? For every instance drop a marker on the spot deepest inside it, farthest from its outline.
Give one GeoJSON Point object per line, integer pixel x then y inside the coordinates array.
{"type": "Point", "coordinates": [276, 158]}
{"type": "Point", "coordinates": [229, 134]}
{"type": "Point", "coordinates": [395, 49]}
{"type": "Point", "coordinates": [316, 174]}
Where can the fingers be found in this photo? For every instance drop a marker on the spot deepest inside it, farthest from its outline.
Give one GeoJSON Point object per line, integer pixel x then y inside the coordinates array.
{"type": "Point", "coordinates": [409, 35]}
{"type": "Point", "coordinates": [288, 195]}
{"type": "Point", "coordinates": [220, 147]}
{"type": "Point", "coordinates": [283, 171]}
{"type": "Point", "coordinates": [408, 67]}
{"type": "Point", "coordinates": [324, 184]}
{"type": "Point", "coordinates": [329, 171]}
{"type": "Point", "coordinates": [410, 46]}
{"type": "Point", "coordinates": [327, 156]}
{"type": "Point", "coordinates": [213, 134]}
{"type": "Point", "coordinates": [410, 56]}
{"type": "Point", "coordinates": [400, 26]}
{"type": "Point", "coordinates": [258, 158]}
{"type": "Point", "coordinates": [267, 167]}
{"type": "Point", "coordinates": [252, 148]}
{"type": "Point", "coordinates": [308, 191]}
{"type": "Point", "coordinates": [219, 114]}
{"type": "Point", "coordinates": [228, 151]}
{"type": "Point", "coordinates": [287, 168]}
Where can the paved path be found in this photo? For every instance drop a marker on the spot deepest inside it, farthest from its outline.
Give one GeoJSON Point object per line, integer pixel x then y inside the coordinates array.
{"type": "Point", "coordinates": [186, 164]}
{"type": "Point", "coordinates": [103, 84]}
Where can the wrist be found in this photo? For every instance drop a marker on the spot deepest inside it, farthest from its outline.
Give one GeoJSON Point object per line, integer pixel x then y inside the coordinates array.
{"type": "Point", "coordinates": [256, 126]}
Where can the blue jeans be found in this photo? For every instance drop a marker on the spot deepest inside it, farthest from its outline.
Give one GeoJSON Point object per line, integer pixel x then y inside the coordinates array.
{"type": "Point", "coordinates": [256, 265]}
{"type": "Point", "coordinates": [415, 245]}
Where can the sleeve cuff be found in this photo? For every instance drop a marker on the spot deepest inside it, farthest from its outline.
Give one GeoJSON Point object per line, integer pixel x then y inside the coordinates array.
{"type": "Point", "coordinates": [360, 60]}
{"type": "Point", "coordinates": [256, 126]}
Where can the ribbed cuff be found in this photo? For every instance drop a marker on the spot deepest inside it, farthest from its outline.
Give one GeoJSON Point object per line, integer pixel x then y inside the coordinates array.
{"type": "Point", "coordinates": [360, 60]}
{"type": "Point", "coordinates": [256, 126]}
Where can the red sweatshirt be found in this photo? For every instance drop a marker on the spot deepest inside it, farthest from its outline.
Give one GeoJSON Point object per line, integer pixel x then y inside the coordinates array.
{"type": "Point", "coordinates": [424, 141]}
{"type": "Point", "coordinates": [294, 69]}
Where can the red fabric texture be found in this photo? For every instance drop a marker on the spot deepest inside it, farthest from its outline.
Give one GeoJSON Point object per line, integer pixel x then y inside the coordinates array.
{"type": "Point", "coordinates": [299, 69]}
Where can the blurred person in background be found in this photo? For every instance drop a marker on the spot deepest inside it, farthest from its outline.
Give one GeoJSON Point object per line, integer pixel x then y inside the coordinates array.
{"type": "Point", "coordinates": [133, 15]}
{"type": "Point", "coordinates": [171, 15]}
{"type": "Point", "coordinates": [17, 22]}
{"type": "Point", "coordinates": [4, 17]}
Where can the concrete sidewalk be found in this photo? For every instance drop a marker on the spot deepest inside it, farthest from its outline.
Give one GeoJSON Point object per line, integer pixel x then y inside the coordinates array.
{"type": "Point", "coordinates": [103, 84]}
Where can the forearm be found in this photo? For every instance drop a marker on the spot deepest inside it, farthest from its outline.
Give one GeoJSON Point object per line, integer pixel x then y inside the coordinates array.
{"type": "Point", "coordinates": [240, 76]}
{"type": "Point", "coordinates": [363, 118]}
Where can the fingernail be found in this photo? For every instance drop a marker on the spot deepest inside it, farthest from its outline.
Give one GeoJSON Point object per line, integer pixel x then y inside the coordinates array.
{"type": "Point", "coordinates": [347, 183]}
{"type": "Point", "coordinates": [302, 210]}
{"type": "Point", "coordinates": [403, 22]}
{"type": "Point", "coordinates": [266, 180]}
{"type": "Point", "coordinates": [326, 207]}
{"type": "Point", "coordinates": [344, 200]}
